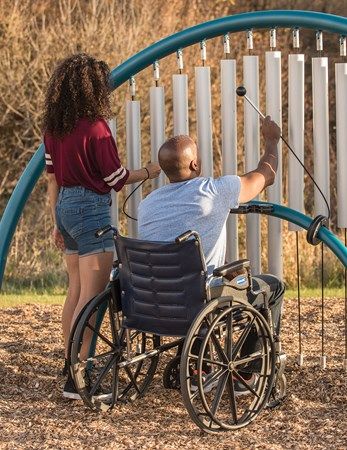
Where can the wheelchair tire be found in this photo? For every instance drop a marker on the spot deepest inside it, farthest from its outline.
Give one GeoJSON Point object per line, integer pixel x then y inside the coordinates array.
{"type": "Point", "coordinates": [73, 329]}
{"type": "Point", "coordinates": [98, 378]}
{"type": "Point", "coordinates": [171, 374]}
{"type": "Point", "coordinates": [213, 366]}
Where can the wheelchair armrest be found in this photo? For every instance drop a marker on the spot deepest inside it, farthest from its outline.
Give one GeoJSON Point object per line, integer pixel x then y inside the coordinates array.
{"type": "Point", "coordinates": [231, 272]}
{"type": "Point", "coordinates": [235, 266]}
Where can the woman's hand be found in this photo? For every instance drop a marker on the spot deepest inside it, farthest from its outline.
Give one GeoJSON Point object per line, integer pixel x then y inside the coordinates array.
{"type": "Point", "coordinates": [153, 170]}
{"type": "Point", "coordinates": [58, 239]}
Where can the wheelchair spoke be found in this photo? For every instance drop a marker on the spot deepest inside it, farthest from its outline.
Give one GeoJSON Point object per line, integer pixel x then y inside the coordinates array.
{"type": "Point", "coordinates": [214, 362]}
{"type": "Point", "coordinates": [245, 384]}
{"type": "Point", "coordinates": [102, 355]}
{"type": "Point", "coordinates": [232, 397]}
{"type": "Point", "coordinates": [242, 338]}
{"type": "Point", "coordinates": [229, 337]}
{"type": "Point", "coordinates": [252, 357]}
{"type": "Point", "coordinates": [101, 336]}
{"type": "Point", "coordinates": [102, 374]}
{"type": "Point", "coordinates": [219, 392]}
{"type": "Point", "coordinates": [115, 336]}
{"type": "Point", "coordinates": [219, 348]}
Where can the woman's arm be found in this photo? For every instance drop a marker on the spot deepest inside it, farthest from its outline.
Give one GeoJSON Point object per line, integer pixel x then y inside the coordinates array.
{"type": "Point", "coordinates": [52, 190]}
{"type": "Point", "coordinates": [152, 170]}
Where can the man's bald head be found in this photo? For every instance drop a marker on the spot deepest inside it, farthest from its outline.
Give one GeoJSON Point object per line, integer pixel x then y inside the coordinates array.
{"type": "Point", "coordinates": [178, 158]}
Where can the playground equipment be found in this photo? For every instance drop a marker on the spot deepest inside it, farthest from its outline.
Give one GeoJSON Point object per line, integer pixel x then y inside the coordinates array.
{"type": "Point", "coordinates": [294, 213]}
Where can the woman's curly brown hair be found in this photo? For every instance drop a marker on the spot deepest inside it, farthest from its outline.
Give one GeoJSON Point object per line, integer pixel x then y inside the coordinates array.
{"type": "Point", "coordinates": [78, 88]}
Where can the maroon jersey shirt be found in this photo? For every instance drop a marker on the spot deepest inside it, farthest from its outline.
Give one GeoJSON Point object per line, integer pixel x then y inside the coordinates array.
{"type": "Point", "coordinates": [86, 157]}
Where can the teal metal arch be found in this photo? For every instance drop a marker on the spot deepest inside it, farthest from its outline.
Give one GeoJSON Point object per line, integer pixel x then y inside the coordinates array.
{"type": "Point", "coordinates": [162, 48]}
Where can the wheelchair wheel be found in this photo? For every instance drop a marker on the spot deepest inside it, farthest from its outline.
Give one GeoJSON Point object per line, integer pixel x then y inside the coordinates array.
{"type": "Point", "coordinates": [102, 376]}
{"type": "Point", "coordinates": [171, 374]}
{"type": "Point", "coordinates": [224, 386]}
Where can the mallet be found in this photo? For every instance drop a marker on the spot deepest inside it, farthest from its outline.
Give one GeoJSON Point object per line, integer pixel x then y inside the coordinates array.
{"type": "Point", "coordinates": [241, 92]}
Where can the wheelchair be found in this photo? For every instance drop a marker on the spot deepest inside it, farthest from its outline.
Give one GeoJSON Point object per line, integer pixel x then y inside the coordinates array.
{"type": "Point", "coordinates": [159, 299]}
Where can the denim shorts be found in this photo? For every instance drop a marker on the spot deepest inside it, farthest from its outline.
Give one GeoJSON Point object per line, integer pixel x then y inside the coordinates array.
{"type": "Point", "coordinates": [80, 212]}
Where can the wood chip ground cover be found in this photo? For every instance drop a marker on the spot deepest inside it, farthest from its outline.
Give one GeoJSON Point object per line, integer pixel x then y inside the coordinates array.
{"type": "Point", "coordinates": [33, 414]}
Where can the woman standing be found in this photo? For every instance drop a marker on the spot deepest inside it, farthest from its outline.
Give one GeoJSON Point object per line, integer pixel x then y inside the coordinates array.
{"type": "Point", "coordinates": [83, 166]}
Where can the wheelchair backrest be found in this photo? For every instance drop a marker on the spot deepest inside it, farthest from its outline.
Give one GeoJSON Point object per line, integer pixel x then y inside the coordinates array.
{"type": "Point", "coordinates": [163, 284]}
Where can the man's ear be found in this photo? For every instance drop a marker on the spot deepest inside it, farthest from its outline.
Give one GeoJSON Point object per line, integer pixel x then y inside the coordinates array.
{"type": "Point", "coordinates": [194, 166]}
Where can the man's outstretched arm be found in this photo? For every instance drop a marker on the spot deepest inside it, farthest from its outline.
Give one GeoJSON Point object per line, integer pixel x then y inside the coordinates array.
{"type": "Point", "coordinates": [252, 183]}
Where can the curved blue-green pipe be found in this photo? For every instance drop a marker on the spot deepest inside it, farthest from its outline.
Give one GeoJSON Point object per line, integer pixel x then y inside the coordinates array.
{"type": "Point", "coordinates": [324, 234]}
{"type": "Point", "coordinates": [162, 48]}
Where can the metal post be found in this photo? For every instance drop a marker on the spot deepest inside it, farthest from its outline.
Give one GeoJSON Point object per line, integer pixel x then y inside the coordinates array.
{"type": "Point", "coordinates": [323, 360]}
{"type": "Point", "coordinates": [229, 144]}
{"type": "Point", "coordinates": [252, 153]}
{"type": "Point", "coordinates": [300, 355]}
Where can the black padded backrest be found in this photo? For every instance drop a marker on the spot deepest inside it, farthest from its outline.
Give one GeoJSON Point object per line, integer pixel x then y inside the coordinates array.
{"type": "Point", "coordinates": [163, 284]}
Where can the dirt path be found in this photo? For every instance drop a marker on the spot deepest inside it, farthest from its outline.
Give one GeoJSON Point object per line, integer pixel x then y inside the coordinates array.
{"type": "Point", "coordinates": [33, 414]}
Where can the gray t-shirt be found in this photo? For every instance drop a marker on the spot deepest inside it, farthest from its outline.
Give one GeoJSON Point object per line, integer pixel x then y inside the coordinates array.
{"type": "Point", "coordinates": [200, 204]}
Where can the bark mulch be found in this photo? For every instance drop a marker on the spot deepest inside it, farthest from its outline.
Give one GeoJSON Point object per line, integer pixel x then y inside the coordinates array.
{"type": "Point", "coordinates": [33, 414]}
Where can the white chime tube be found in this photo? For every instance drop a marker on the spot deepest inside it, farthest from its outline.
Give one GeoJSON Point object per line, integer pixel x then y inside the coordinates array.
{"type": "Point", "coordinates": [180, 104]}
{"type": "Point", "coordinates": [296, 129]}
{"type": "Point", "coordinates": [229, 144]}
{"type": "Point", "coordinates": [274, 192]}
{"type": "Point", "coordinates": [114, 207]}
{"type": "Point", "coordinates": [204, 119]}
{"type": "Point", "coordinates": [133, 147]}
{"type": "Point", "coordinates": [321, 133]}
{"type": "Point", "coordinates": [157, 116]}
{"type": "Point", "coordinates": [252, 153]}
{"type": "Point", "coordinates": [341, 142]}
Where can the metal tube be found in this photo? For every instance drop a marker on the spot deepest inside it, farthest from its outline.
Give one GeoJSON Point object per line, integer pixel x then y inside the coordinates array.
{"type": "Point", "coordinates": [274, 192]}
{"type": "Point", "coordinates": [300, 355]}
{"type": "Point", "coordinates": [321, 133]}
{"type": "Point", "coordinates": [157, 126]}
{"type": "Point", "coordinates": [341, 140]}
{"type": "Point", "coordinates": [323, 359]}
{"type": "Point", "coordinates": [229, 144]}
{"type": "Point", "coordinates": [204, 118]}
{"type": "Point", "coordinates": [252, 152]}
{"type": "Point", "coordinates": [133, 147]}
{"type": "Point", "coordinates": [296, 128]}
{"type": "Point", "coordinates": [114, 207]}
{"type": "Point", "coordinates": [180, 104]}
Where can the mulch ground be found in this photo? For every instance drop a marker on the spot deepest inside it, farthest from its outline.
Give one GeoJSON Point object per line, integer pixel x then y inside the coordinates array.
{"type": "Point", "coordinates": [34, 415]}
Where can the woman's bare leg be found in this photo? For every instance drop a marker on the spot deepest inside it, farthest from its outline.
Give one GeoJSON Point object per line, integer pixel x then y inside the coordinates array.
{"type": "Point", "coordinates": [72, 297]}
{"type": "Point", "coordinates": [94, 274]}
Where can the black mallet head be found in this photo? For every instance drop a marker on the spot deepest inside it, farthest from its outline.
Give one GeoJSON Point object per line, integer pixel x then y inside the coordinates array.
{"type": "Point", "coordinates": [241, 91]}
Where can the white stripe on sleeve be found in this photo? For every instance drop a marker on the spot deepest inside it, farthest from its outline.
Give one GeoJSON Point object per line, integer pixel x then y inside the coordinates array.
{"type": "Point", "coordinates": [117, 179]}
{"type": "Point", "coordinates": [114, 174]}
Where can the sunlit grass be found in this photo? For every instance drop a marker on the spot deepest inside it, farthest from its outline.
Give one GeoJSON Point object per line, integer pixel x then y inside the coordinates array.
{"type": "Point", "coordinates": [57, 296]}
{"type": "Point", "coordinates": [10, 300]}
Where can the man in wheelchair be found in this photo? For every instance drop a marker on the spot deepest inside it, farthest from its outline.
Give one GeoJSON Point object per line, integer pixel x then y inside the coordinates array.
{"type": "Point", "coordinates": [192, 202]}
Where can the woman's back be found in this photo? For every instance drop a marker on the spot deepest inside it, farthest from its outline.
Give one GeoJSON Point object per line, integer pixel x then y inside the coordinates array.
{"type": "Point", "coordinates": [86, 157]}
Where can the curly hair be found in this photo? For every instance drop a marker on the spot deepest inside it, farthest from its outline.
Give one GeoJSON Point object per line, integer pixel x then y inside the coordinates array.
{"type": "Point", "coordinates": [78, 88]}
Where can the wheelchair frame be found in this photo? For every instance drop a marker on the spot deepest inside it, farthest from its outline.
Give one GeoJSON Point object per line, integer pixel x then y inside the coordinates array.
{"type": "Point", "coordinates": [207, 363]}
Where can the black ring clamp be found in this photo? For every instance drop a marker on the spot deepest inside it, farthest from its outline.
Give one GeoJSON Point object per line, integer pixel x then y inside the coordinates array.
{"type": "Point", "coordinates": [313, 229]}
